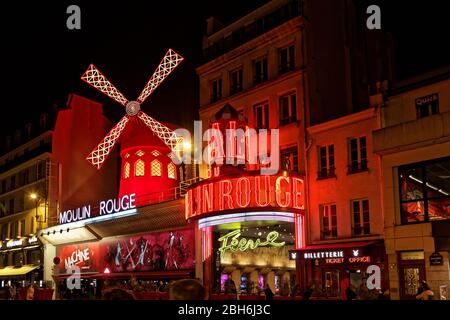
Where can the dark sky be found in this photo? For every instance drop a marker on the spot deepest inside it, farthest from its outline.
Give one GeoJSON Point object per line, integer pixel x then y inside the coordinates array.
{"type": "Point", "coordinates": [42, 60]}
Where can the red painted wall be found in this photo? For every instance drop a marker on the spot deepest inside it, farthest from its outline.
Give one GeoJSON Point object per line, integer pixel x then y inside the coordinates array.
{"type": "Point", "coordinates": [77, 131]}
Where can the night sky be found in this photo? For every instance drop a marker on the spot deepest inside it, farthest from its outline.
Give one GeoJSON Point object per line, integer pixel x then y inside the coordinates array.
{"type": "Point", "coordinates": [42, 60]}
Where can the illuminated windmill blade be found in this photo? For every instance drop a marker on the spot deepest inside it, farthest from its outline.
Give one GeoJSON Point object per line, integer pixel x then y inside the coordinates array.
{"type": "Point", "coordinates": [96, 79]}
{"type": "Point", "coordinates": [170, 61]}
{"type": "Point", "coordinates": [169, 137]}
{"type": "Point", "coordinates": [101, 152]}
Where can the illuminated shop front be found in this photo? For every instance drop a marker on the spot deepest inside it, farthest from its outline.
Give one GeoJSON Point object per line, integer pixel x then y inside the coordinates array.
{"type": "Point", "coordinates": [142, 248]}
{"type": "Point", "coordinates": [21, 262]}
{"type": "Point", "coordinates": [331, 269]}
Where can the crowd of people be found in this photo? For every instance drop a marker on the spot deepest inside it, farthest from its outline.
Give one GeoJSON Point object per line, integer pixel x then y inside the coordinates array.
{"type": "Point", "coordinates": [13, 291]}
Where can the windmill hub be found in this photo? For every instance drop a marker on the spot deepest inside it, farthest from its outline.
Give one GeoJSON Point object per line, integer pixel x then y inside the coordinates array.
{"type": "Point", "coordinates": [133, 108]}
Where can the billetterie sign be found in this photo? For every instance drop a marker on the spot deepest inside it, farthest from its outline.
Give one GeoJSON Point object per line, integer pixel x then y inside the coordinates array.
{"type": "Point", "coordinates": [105, 207]}
{"type": "Point", "coordinates": [247, 192]}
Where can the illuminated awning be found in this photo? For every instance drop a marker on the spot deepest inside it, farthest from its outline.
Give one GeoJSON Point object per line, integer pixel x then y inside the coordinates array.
{"type": "Point", "coordinates": [61, 234]}
{"type": "Point", "coordinates": [12, 271]}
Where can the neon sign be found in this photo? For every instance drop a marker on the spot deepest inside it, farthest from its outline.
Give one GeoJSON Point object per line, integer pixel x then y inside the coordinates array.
{"type": "Point", "coordinates": [245, 193]}
{"type": "Point", "coordinates": [105, 207]}
{"type": "Point", "coordinates": [244, 244]}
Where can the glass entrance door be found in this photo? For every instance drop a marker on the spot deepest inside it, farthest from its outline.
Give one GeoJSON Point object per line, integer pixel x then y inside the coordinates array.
{"type": "Point", "coordinates": [411, 275]}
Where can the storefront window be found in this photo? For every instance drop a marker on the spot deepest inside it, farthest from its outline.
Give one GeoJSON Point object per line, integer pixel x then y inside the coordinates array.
{"type": "Point", "coordinates": [425, 191]}
{"type": "Point", "coordinates": [250, 255]}
{"type": "Point", "coordinates": [34, 257]}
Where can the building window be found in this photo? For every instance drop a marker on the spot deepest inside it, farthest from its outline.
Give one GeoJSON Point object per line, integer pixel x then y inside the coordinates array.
{"type": "Point", "coordinates": [289, 159]}
{"type": "Point", "coordinates": [139, 168]}
{"type": "Point", "coordinates": [126, 170]}
{"type": "Point", "coordinates": [156, 168]}
{"type": "Point", "coordinates": [216, 90]}
{"type": "Point", "coordinates": [360, 217]}
{"type": "Point", "coordinates": [140, 153]}
{"type": "Point", "coordinates": [3, 210]}
{"type": "Point", "coordinates": [261, 111]}
{"type": "Point", "coordinates": [11, 206]}
{"type": "Point", "coordinates": [288, 108]}
{"type": "Point", "coordinates": [40, 170]}
{"type": "Point", "coordinates": [22, 228]}
{"type": "Point", "coordinates": [5, 233]}
{"type": "Point", "coordinates": [286, 59]}
{"type": "Point", "coordinates": [425, 191]}
{"type": "Point", "coordinates": [13, 182]}
{"type": "Point", "coordinates": [328, 220]}
{"type": "Point", "coordinates": [127, 155]}
{"type": "Point", "coordinates": [171, 171]}
{"type": "Point", "coordinates": [326, 162]}
{"type": "Point", "coordinates": [25, 177]}
{"type": "Point", "coordinates": [236, 78]}
{"type": "Point", "coordinates": [357, 155]}
{"type": "Point", "coordinates": [427, 105]}
{"type": "Point", "coordinates": [260, 70]}
{"type": "Point", "coordinates": [15, 229]}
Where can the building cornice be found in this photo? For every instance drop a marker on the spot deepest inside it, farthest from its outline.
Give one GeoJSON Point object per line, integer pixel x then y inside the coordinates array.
{"type": "Point", "coordinates": [231, 99]}
{"type": "Point", "coordinates": [25, 145]}
{"type": "Point", "coordinates": [286, 29]}
{"type": "Point", "coordinates": [343, 121]}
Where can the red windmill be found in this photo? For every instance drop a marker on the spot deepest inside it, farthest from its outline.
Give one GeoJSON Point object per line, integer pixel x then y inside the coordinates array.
{"type": "Point", "coordinates": [147, 148]}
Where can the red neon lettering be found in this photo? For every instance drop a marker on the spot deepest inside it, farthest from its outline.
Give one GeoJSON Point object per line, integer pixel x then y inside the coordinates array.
{"type": "Point", "coordinates": [243, 191]}
{"type": "Point", "coordinates": [208, 199]}
{"type": "Point", "coordinates": [231, 150]}
{"type": "Point", "coordinates": [225, 193]}
{"type": "Point", "coordinates": [188, 204]}
{"type": "Point", "coordinates": [297, 193]}
{"type": "Point", "coordinates": [262, 193]}
{"type": "Point", "coordinates": [216, 171]}
{"type": "Point", "coordinates": [198, 201]}
{"type": "Point", "coordinates": [279, 192]}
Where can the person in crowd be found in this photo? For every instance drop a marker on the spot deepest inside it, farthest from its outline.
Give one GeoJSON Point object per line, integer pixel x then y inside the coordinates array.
{"type": "Point", "coordinates": [384, 294]}
{"type": "Point", "coordinates": [268, 292]}
{"type": "Point", "coordinates": [230, 286]}
{"type": "Point", "coordinates": [349, 293]}
{"type": "Point", "coordinates": [12, 292]}
{"type": "Point", "coordinates": [308, 292]}
{"type": "Point", "coordinates": [30, 292]}
{"type": "Point", "coordinates": [425, 292]}
{"type": "Point", "coordinates": [295, 290]}
{"type": "Point", "coordinates": [363, 292]}
{"type": "Point", "coordinates": [187, 289]}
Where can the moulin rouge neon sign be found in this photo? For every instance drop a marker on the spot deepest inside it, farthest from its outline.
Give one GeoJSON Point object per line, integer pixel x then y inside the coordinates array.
{"type": "Point", "coordinates": [245, 193]}
{"type": "Point", "coordinates": [231, 242]}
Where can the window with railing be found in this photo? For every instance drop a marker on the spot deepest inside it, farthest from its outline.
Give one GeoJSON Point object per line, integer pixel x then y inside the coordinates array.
{"type": "Point", "coordinates": [236, 78]}
{"type": "Point", "coordinates": [326, 162]}
{"type": "Point", "coordinates": [328, 220]}
{"type": "Point", "coordinates": [289, 159]}
{"type": "Point", "coordinates": [261, 111]}
{"type": "Point", "coordinates": [156, 168]}
{"type": "Point", "coordinates": [139, 168]}
{"type": "Point", "coordinates": [286, 59]}
{"type": "Point", "coordinates": [171, 171]}
{"type": "Point", "coordinates": [425, 191]}
{"type": "Point", "coordinates": [357, 155]}
{"type": "Point", "coordinates": [12, 208]}
{"type": "Point", "coordinates": [260, 71]}
{"type": "Point", "coordinates": [360, 217]}
{"type": "Point", "coordinates": [288, 108]}
{"type": "Point", "coordinates": [126, 170]}
{"type": "Point", "coordinates": [216, 90]}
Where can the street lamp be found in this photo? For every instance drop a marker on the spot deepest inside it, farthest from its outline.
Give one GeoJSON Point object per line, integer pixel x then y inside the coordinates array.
{"type": "Point", "coordinates": [34, 196]}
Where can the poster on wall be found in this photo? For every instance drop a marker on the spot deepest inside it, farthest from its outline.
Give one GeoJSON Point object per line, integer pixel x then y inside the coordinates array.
{"type": "Point", "coordinates": [163, 251]}
{"type": "Point", "coordinates": [84, 256]}
{"type": "Point", "coordinates": [173, 250]}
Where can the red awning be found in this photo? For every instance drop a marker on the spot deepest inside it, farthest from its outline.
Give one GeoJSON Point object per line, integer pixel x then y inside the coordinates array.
{"type": "Point", "coordinates": [341, 245]}
{"type": "Point", "coordinates": [128, 275]}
